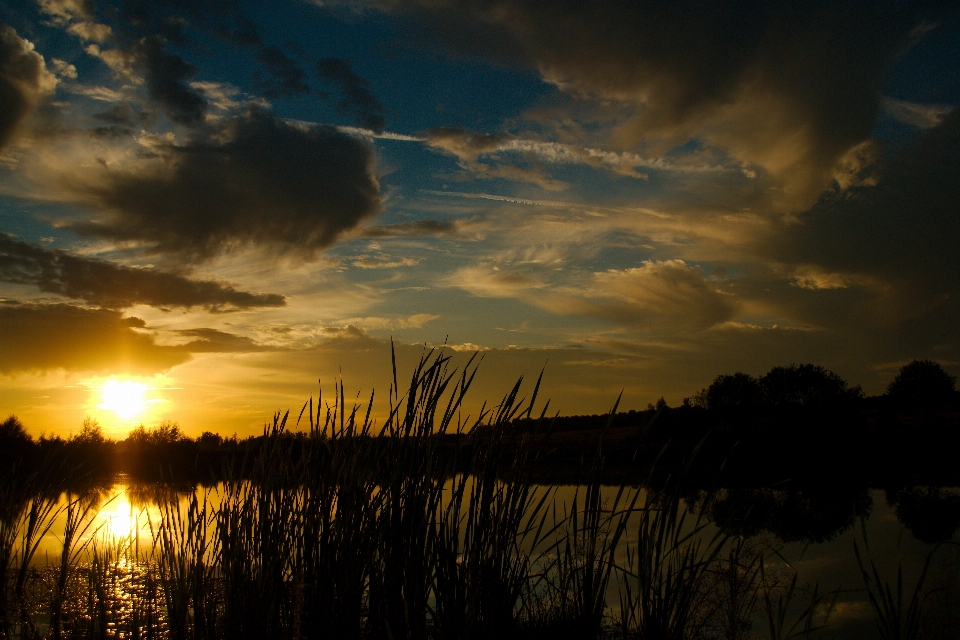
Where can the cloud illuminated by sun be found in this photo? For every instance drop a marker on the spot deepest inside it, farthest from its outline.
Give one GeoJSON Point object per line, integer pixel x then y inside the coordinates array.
{"type": "Point", "coordinates": [126, 399]}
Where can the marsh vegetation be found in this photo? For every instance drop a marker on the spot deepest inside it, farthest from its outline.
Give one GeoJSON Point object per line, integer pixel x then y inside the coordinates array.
{"type": "Point", "coordinates": [436, 525]}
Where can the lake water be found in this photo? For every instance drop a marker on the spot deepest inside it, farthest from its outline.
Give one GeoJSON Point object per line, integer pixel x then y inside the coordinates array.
{"type": "Point", "coordinates": [124, 531]}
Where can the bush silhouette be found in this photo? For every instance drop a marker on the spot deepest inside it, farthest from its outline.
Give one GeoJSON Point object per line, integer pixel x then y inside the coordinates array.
{"type": "Point", "coordinates": [922, 383]}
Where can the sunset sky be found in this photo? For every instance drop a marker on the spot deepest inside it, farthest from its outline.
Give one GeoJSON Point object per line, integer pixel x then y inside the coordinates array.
{"type": "Point", "coordinates": [208, 207]}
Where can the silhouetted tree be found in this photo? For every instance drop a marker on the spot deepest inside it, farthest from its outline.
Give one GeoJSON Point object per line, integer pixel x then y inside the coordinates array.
{"type": "Point", "coordinates": [15, 444]}
{"type": "Point", "coordinates": [12, 431]}
{"type": "Point", "coordinates": [930, 513]}
{"type": "Point", "coordinates": [739, 389]}
{"type": "Point", "coordinates": [805, 385]}
{"type": "Point", "coordinates": [210, 439]}
{"type": "Point", "coordinates": [922, 383]}
{"type": "Point", "coordinates": [166, 432]}
{"type": "Point", "coordinates": [90, 433]}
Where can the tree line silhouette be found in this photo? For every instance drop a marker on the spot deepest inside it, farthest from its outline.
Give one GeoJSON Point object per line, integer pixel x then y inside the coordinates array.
{"type": "Point", "coordinates": [793, 452]}
{"type": "Point", "coordinates": [794, 422]}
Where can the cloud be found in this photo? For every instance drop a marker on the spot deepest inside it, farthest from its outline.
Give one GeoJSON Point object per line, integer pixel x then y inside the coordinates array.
{"type": "Point", "coordinates": [255, 180]}
{"type": "Point", "coordinates": [288, 79]}
{"type": "Point", "coordinates": [118, 60]}
{"type": "Point", "coordinates": [145, 61]}
{"type": "Point", "coordinates": [788, 87]}
{"type": "Point", "coordinates": [41, 337]}
{"type": "Point", "coordinates": [667, 295]}
{"type": "Point", "coordinates": [492, 282]}
{"type": "Point", "coordinates": [24, 82]}
{"type": "Point", "coordinates": [60, 336]}
{"type": "Point", "coordinates": [64, 69]}
{"type": "Point", "coordinates": [661, 294]}
{"type": "Point", "coordinates": [226, 97]}
{"type": "Point", "coordinates": [922, 116]}
{"type": "Point", "coordinates": [415, 321]}
{"type": "Point", "coordinates": [412, 229]}
{"type": "Point", "coordinates": [811, 277]}
{"type": "Point", "coordinates": [469, 147]}
{"type": "Point", "coordinates": [216, 341]}
{"type": "Point", "coordinates": [120, 114]}
{"type": "Point", "coordinates": [63, 11]}
{"type": "Point", "coordinates": [384, 261]}
{"type": "Point", "coordinates": [357, 99]}
{"type": "Point", "coordinates": [895, 239]}
{"type": "Point", "coordinates": [103, 94]}
{"type": "Point", "coordinates": [167, 76]}
{"type": "Point", "coordinates": [114, 286]}
{"type": "Point", "coordinates": [903, 227]}
{"type": "Point", "coordinates": [91, 31]}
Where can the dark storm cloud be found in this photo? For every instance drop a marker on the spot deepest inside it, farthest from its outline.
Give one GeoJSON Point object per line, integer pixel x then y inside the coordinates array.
{"type": "Point", "coordinates": [24, 82]}
{"type": "Point", "coordinates": [167, 75]}
{"type": "Point", "coordinates": [60, 336]}
{"type": "Point", "coordinates": [115, 286]}
{"type": "Point", "coordinates": [790, 86]}
{"type": "Point", "coordinates": [905, 226]}
{"type": "Point", "coordinates": [412, 229]}
{"type": "Point", "coordinates": [288, 79]}
{"type": "Point", "coordinates": [903, 233]}
{"type": "Point", "coordinates": [257, 181]}
{"type": "Point", "coordinates": [357, 98]}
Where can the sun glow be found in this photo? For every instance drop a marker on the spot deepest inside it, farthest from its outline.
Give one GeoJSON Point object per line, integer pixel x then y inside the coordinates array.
{"type": "Point", "coordinates": [126, 399]}
{"type": "Point", "coordinates": [120, 524]}
{"type": "Point", "coordinates": [118, 518]}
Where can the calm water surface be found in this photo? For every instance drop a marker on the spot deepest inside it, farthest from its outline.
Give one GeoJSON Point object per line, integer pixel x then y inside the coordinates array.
{"type": "Point", "coordinates": [125, 526]}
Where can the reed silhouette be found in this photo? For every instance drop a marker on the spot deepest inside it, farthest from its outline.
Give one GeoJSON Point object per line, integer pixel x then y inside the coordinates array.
{"type": "Point", "coordinates": [434, 525]}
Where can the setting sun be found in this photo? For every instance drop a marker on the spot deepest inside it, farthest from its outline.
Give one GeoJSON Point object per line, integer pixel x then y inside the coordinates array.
{"type": "Point", "coordinates": [126, 399]}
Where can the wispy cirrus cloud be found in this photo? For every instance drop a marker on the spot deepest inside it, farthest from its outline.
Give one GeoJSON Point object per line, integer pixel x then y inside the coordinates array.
{"type": "Point", "coordinates": [922, 116]}
{"type": "Point", "coordinates": [415, 321]}
{"type": "Point", "coordinates": [470, 148]}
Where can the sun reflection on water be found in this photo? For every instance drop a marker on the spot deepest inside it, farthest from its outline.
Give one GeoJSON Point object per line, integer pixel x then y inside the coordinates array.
{"type": "Point", "coordinates": [121, 519]}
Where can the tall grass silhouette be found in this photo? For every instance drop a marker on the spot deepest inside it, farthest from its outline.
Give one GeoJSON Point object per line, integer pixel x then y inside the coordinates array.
{"type": "Point", "coordinates": [427, 526]}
